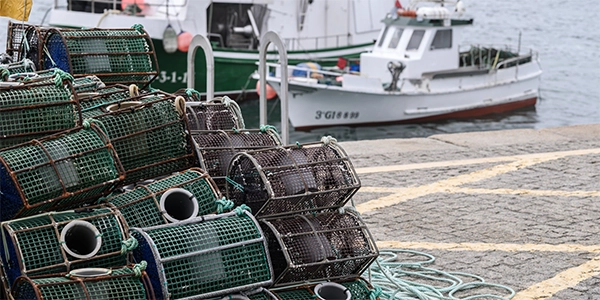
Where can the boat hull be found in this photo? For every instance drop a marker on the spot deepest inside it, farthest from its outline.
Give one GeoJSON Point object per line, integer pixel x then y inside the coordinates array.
{"type": "Point", "coordinates": [313, 106]}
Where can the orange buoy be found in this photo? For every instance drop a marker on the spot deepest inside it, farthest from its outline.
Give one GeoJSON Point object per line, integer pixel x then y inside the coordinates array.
{"type": "Point", "coordinates": [271, 93]}
{"type": "Point", "coordinates": [184, 39]}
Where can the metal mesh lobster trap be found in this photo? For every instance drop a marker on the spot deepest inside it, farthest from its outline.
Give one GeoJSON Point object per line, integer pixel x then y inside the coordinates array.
{"type": "Point", "coordinates": [81, 85]}
{"type": "Point", "coordinates": [15, 68]}
{"type": "Point", "coordinates": [29, 111]}
{"type": "Point", "coordinates": [95, 103]}
{"type": "Point", "coordinates": [59, 242]}
{"type": "Point", "coordinates": [358, 288]}
{"type": "Point", "coordinates": [149, 133]}
{"type": "Point", "coordinates": [205, 257]}
{"type": "Point", "coordinates": [292, 179]}
{"type": "Point", "coordinates": [32, 44]}
{"type": "Point", "coordinates": [216, 148]}
{"type": "Point", "coordinates": [172, 199]}
{"type": "Point", "coordinates": [324, 246]}
{"type": "Point", "coordinates": [220, 113]}
{"type": "Point", "coordinates": [129, 282]}
{"type": "Point", "coordinates": [60, 171]}
{"type": "Point", "coordinates": [15, 33]}
{"type": "Point", "coordinates": [114, 55]}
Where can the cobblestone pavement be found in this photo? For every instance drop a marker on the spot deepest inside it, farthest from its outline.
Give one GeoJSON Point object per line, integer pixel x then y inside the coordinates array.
{"type": "Point", "coordinates": [520, 208]}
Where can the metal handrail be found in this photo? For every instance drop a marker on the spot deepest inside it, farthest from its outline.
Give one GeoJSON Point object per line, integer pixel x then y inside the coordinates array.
{"type": "Point", "coordinates": [517, 59]}
{"type": "Point", "coordinates": [265, 41]}
{"type": "Point", "coordinates": [204, 43]}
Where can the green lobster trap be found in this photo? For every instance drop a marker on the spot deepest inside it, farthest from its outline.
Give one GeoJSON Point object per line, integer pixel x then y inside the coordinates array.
{"type": "Point", "coordinates": [37, 109]}
{"type": "Point", "coordinates": [205, 257]}
{"type": "Point", "coordinates": [130, 282]}
{"type": "Point", "coordinates": [358, 288]}
{"type": "Point", "coordinates": [216, 147]}
{"type": "Point", "coordinates": [59, 242]}
{"type": "Point", "coordinates": [62, 171]}
{"type": "Point", "coordinates": [323, 246]}
{"type": "Point", "coordinates": [114, 55]}
{"type": "Point", "coordinates": [150, 135]}
{"type": "Point", "coordinates": [292, 179]}
{"type": "Point", "coordinates": [220, 113]}
{"type": "Point", "coordinates": [95, 103]}
{"type": "Point", "coordinates": [81, 85]}
{"type": "Point", "coordinates": [16, 68]}
{"type": "Point", "coordinates": [175, 198]}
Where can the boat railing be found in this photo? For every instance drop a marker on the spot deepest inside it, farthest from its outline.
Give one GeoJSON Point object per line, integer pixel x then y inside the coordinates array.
{"type": "Point", "coordinates": [304, 71]}
{"type": "Point", "coordinates": [100, 6]}
{"type": "Point", "coordinates": [515, 61]}
{"type": "Point", "coordinates": [303, 43]}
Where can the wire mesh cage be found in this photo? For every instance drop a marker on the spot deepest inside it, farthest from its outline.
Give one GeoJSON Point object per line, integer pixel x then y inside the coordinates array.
{"type": "Point", "coordinates": [150, 136]}
{"type": "Point", "coordinates": [359, 288]}
{"type": "Point", "coordinates": [324, 246]}
{"type": "Point", "coordinates": [216, 147]}
{"type": "Point", "coordinates": [205, 257]}
{"type": "Point", "coordinates": [34, 110]}
{"type": "Point", "coordinates": [95, 103]}
{"type": "Point", "coordinates": [59, 242]}
{"type": "Point", "coordinates": [292, 179]}
{"type": "Point", "coordinates": [15, 33]}
{"type": "Point", "coordinates": [114, 55]}
{"type": "Point", "coordinates": [61, 171]}
{"type": "Point", "coordinates": [15, 68]}
{"type": "Point", "coordinates": [220, 113]}
{"type": "Point", "coordinates": [80, 85]}
{"type": "Point", "coordinates": [130, 282]}
{"type": "Point", "coordinates": [172, 199]}
{"type": "Point", "coordinates": [32, 44]}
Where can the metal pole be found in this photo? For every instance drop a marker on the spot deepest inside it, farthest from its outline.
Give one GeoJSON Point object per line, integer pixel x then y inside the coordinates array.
{"type": "Point", "coordinates": [201, 41]}
{"type": "Point", "coordinates": [265, 41]}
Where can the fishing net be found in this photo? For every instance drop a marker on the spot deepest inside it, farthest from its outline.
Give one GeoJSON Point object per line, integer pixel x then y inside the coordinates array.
{"type": "Point", "coordinates": [216, 148]}
{"type": "Point", "coordinates": [149, 133]}
{"type": "Point", "coordinates": [324, 246]}
{"type": "Point", "coordinates": [359, 289]}
{"type": "Point", "coordinates": [63, 241]}
{"type": "Point", "coordinates": [114, 55]}
{"type": "Point", "coordinates": [162, 201]}
{"type": "Point", "coordinates": [129, 282]}
{"type": "Point", "coordinates": [292, 179]}
{"type": "Point", "coordinates": [206, 257]}
{"type": "Point", "coordinates": [61, 171]}
{"type": "Point", "coordinates": [220, 113]}
{"type": "Point", "coordinates": [29, 111]}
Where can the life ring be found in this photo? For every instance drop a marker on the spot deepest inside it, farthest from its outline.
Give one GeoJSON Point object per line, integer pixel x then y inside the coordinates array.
{"type": "Point", "coordinates": [407, 13]}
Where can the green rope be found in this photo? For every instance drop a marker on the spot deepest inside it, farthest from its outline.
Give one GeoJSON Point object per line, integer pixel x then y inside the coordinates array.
{"type": "Point", "coordinates": [236, 185]}
{"type": "Point", "coordinates": [235, 130]}
{"type": "Point", "coordinates": [139, 28]}
{"type": "Point", "coordinates": [192, 92]}
{"type": "Point", "coordinates": [236, 109]}
{"type": "Point", "coordinates": [224, 204]}
{"type": "Point", "coordinates": [61, 76]}
{"type": "Point", "coordinates": [128, 245]}
{"type": "Point", "coordinates": [87, 124]}
{"type": "Point", "coordinates": [326, 140]}
{"type": "Point", "coordinates": [298, 145]}
{"type": "Point", "coordinates": [138, 268]}
{"type": "Point", "coordinates": [240, 210]}
{"type": "Point", "coordinates": [375, 293]}
{"type": "Point", "coordinates": [264, 128]}
{"type": "Point", "coordinates": [4, 73]}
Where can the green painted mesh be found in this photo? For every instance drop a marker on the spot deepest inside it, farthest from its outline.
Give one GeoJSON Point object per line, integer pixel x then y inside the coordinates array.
{"type": "Point", "coordinates": [114, 55]}
{"type": "Point", "coordinates": [34, 110]}
{"type": "Point", "coordinates": [325, 246]}
{"type": "Point", "coordinates": [120, 284]}
{"type": "Point", "coordinates": [24, 66]}
{"type": "Point", "coordinates": [37, 239]}
{"type": "Point", "coordinates": [150, 139]}
{"type": "Point", "coordinates": [297, 294]}
{"type": "Point", "coordinates": [359, 289]}
{"type": "Point", "coordinates": [140, 206]}
{"type": "Point", "coordinates": [216, 148]}
{"type": "Point", "coordinates": [60, 171]}
{"type": "Point", "coordinates": [95, 104]}
{"type": "Point", "coordinates": [203, 258]}
{"type": "Point", "coordinates": [291, 179]}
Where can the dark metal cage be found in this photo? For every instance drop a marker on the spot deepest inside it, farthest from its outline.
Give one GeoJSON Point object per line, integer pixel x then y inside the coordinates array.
{"type": "Point", "coordinates": [150, 135]}
{"type": "Point", "coordinates": [61, 171]}
{"type": "Point", "coordinates": [175, 198]}
{"type": "Point", "coordinates": [114, 55]}
{"type": "Point", "coordinates": [292, 179]}
{"type": "Point", "coordinates": [205, 257]}
{"type": "Point", "coordinates": [220, 113]}
{"type": "Point", "coordinates": [59, 242]}
{"type": "Point", "coordinates": [324, 246]}
{"type": "Point", "coordinates": [130, 282]}
{"type": "Point", "coordinates": [216, 148]}
{"type": "Point", "coordinates": [15, 33]}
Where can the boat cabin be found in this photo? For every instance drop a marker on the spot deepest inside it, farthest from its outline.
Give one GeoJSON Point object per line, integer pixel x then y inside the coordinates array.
{"type": "Point", "coordinates": [420, 42]}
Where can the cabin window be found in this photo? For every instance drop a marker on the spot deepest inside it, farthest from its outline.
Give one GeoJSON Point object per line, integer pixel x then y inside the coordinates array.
{"type": "Point", "coordinates": [442, 39]}
{"type": "Point", "coordinates": [415, 40]}
{"type": "Point", "coordinates": [385, 30]}
{"type": "Point", "coordinates": [395, 38]}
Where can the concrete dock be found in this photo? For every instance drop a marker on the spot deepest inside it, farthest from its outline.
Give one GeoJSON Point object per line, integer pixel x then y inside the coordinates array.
{"type": "Point", "coordinates": [520, 208]}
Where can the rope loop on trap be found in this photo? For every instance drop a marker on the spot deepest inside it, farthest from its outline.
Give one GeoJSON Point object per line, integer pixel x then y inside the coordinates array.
{"type": "Point", "coordinates": [264, 128]}
{"type": "Point", "coordinates": [236, 109]}
{"type": "Point", "coordinates": [60, 76]}
{"type": "Point", "coordinates": [224, 204]}
{"type": "Point", "coordinates": [87, 124]}
{"type": "Point", "coordinates": [128, 245]}
{"type": "Point", "coordinates": [240, 210]}
{"type": "Point", "coordinates": [326, 140]}
{"type": "Point", "coordinates": [4, 73]}
{"type": "Point", "coordinates": [192, 92]}
{"type": "Point", "coordinates": [139, 28]}
{"type": "Point", "coordinates": [139, 268]}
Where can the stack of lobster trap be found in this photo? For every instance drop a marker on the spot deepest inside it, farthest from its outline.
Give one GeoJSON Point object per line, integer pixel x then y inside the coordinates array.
{"type": "Point", "coordinates": [110, 189]}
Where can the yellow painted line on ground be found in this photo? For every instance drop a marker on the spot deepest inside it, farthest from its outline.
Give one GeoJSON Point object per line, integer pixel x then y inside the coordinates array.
{"type": "Point", "coordinates": [489, 247]}
{"type": "Point", "coordinates": [527, 192]}
{"type": "Point", "coordinates": [563, 280]}
{"type": "Point", "coordinates": [462, 162]}
{"type": "Point", "coordinates": [376, 189]}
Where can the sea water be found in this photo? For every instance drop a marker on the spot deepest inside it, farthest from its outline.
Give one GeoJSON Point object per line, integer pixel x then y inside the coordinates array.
{"type": "Point", "coordinates": [565, 34]}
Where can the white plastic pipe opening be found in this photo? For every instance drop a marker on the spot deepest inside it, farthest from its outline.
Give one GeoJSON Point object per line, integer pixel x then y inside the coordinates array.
{"type": "Point", "coordinates": [81, 239]}
{"type": "Point", "coordinates": [178, 205]}
{"type": "Point", "coordinates": [332, 291]}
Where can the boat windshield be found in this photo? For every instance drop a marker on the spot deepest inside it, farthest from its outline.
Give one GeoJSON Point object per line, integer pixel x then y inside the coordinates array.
{"type": "Point", "coordinates": [415, 39]}
{"type": "Point", "coordinates": [382, 37]}
{"type": "Point", "coordinates": [395, 38]}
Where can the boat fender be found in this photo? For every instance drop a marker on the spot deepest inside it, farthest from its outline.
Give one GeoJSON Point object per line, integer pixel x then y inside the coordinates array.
{"type": "Point", "coordinates": [271, 93]}
{"type": "Point", "coordinates": [184, 39]}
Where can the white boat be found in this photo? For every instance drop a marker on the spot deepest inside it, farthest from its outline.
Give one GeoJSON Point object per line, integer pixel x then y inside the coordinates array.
{"type": "Point", "coordinates": [416, 72]}
{"type": "Point", "coordinates": [320, 30]}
